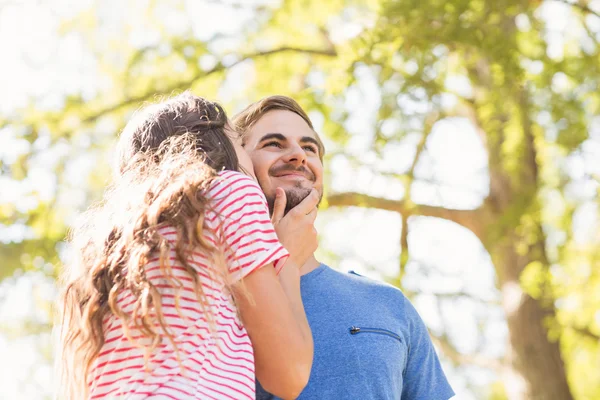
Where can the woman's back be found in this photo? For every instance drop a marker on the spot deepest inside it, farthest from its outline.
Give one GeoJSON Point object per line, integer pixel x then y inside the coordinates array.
{"type": "Point", "coordinates": [217, 363]}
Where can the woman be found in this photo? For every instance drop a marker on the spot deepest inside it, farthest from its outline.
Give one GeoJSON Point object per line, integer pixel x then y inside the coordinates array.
{"type": "Point", "coordinates": [180, 247]}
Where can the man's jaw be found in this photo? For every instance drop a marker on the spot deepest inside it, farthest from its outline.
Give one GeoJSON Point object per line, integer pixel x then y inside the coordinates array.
{"type": "Point", "coordinates": [293, 196]}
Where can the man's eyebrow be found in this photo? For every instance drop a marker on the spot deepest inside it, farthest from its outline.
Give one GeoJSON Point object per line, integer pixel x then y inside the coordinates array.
{"type": "Point", "coordinates": [282, 138]}
{"type": "Point", "coordinates": [309, 139]}
{"type": "Point", "coordinates": [270, 136]}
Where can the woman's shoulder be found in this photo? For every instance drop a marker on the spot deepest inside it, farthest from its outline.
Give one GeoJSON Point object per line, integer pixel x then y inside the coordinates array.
{"type": "Point", "coordinates": [228, 175]}
{"type": "Point", "coordinates": [233, 179]}
{"type": "Point", "coordinates": [234, 184]}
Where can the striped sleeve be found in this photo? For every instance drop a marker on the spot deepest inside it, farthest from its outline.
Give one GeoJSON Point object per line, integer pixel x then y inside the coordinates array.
{"type": "Point", "coordinates": [246, 229]}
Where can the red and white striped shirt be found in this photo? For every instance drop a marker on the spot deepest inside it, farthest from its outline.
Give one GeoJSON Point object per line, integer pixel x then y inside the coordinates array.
{"type": "Point", "coordinates": [217, 366]}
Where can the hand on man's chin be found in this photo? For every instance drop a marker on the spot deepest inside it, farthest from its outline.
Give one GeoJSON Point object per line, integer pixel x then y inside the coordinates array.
{"type": "Point", "coordinates": [294, 196]}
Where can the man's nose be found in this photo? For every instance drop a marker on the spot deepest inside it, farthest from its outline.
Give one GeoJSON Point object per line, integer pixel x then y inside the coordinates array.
{"type": "Point", "coordinates": [295, 155]}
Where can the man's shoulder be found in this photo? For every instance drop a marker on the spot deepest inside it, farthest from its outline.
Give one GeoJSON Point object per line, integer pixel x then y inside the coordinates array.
{"type": "Point", "coordinates": [358, 284]}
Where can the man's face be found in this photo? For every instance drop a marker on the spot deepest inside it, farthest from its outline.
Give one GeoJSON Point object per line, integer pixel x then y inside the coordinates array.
{"type": "Point", "coordinates": [285, 153]}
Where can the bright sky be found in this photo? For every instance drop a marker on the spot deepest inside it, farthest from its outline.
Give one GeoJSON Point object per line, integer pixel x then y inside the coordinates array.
{"type": "Point", "coordinates": [37, 63]}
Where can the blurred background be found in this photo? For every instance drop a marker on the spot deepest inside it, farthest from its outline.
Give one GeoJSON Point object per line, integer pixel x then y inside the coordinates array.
{"type": "Point", "coordinates": [463, 160]}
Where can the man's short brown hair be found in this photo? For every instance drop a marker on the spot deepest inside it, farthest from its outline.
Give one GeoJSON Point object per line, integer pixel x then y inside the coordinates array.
{"type": "Point", "coordinates": [243, 121]}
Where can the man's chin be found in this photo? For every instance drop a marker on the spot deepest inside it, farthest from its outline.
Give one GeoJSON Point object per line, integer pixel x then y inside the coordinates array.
{"type": "Point", "coordinates": [294, 196]}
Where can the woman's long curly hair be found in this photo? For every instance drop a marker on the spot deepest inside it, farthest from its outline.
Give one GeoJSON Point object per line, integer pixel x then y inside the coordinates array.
{"type": "Point", "coordinates": [168, 156]}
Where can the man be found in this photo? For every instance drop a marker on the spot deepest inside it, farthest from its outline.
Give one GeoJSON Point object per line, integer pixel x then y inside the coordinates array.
{"type": "Point", "coordinates": [370, 343]}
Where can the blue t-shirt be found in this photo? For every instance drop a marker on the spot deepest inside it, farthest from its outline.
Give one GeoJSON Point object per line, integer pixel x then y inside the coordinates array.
{"type": "Point", "coordinates": [370, 343]}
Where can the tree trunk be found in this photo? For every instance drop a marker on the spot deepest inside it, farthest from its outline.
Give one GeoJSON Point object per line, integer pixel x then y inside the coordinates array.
{"type": "Point", "coordinates": [532, 354]}
{"type": "Point", "coordinates": [514, 211]}
{"type": "Point", "coordinates": [514, 235]}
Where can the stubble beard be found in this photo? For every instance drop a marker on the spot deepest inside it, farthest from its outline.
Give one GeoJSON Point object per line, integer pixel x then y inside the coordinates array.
{"type": "Point", "coordinates": [294, 196]}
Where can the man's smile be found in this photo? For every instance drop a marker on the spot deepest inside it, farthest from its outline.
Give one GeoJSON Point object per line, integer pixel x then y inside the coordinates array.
{"type": "Point", "coordinates": [290, 173]}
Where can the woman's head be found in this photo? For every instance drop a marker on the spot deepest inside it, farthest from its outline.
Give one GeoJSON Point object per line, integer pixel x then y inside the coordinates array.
{"type": "Point", "coordinates": [206, 121]}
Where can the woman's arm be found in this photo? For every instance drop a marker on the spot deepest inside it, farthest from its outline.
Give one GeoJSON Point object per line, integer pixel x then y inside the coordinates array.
{"type": "Point", "coordinates": [270, 305]}
{"type": "Point", "coordinates": [272, 312]}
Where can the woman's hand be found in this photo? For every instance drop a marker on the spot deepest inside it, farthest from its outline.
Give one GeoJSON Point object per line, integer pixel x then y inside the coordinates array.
{"type": "Point", "coordinates": [296, 230]}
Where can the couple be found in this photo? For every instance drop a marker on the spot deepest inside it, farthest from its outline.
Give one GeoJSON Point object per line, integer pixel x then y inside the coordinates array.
{"type": "Point", "coordinates": [189, 282]}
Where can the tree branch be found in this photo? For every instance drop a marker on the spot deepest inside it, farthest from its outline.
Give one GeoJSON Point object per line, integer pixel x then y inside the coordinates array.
{"type": "Point", "coordinates": [409, 177]}
{"type": "Point", "coordinates": [330, 52]}
{"type": "Point", "coordinates": [236, 5]}
{"type": "Point", "coordinates": [583, 7]}
{"type": "Point", "coordinates": [470, 219]}
{"type": "Point", "coordinates": [407, 189]}
{"type": "Point", "coordinates": [445, 345]}
{"type": "Point", "coordinates": [404, 255]}
{"type": "Point", "coordinates": [586, 332]}
{"type": "Point", "coordinates": [461, 359]}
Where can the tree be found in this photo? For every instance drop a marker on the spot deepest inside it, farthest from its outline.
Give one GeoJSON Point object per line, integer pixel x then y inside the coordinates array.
{"type": "Point", "coordinates": [530, 97]}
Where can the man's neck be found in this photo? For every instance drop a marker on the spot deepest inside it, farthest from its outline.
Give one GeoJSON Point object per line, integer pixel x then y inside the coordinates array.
{"type": "Point", "coordinates": [310, 265]}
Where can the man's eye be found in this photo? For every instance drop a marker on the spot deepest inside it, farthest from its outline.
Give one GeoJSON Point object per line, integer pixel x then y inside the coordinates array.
{"type": "Point", "coordinates": [273, 144]}
{"type": "Point", "coordinates": [310, 148]}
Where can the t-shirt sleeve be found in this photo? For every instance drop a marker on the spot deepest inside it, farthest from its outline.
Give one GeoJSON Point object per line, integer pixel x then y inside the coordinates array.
{"type": "Point", "coordinates": [247, 232]}
{"type": "Point", "coordinates": [423, 375]}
